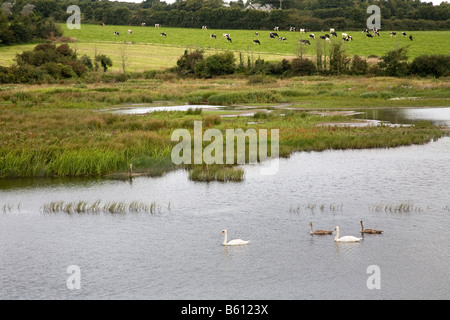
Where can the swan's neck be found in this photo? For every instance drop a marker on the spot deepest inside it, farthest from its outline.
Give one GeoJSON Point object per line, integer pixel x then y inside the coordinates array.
{"type": "Point", "coordinates": [362, 226]}
{"type": "Point", "coordinates": [225, 238]}
{"type": "Point", "coordinates": [337, 234]}
{"type": "Point", "coordinates": [311, 228]}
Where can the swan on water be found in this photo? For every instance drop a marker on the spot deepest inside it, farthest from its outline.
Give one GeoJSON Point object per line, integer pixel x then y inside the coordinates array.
{"type": "Point", "coordinates": [319, 232]}
{"type": "Point", "coordinates": [372, 231]}
{"type": "Point", "coordinates": [345, 238]}
{"type": "Point", "coordinates": [235, 242]}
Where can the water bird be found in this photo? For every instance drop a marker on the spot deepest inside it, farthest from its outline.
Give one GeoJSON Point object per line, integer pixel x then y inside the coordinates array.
{"type": "Point", "coordinates": [345, 238]}
{"type": "Point", "coordinates": [235, 242]}
{"type": "Point", "coordinates": [371, 231]}
{"type": "Point", "coordinates": [319, 232]}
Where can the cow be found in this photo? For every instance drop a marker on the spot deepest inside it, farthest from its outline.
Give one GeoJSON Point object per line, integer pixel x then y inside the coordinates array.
{"type": "Point", "coordinates": [256, 34]}
{"type": "Point", "coordinates": [271, 35]}
{"type": "Point", "coordinates": [332, 30]}
{"type": "Point", "coordinates": [102, 24]}
{"type": "Point", "coordinates": [347, 38]}
{"type": "Point", "coordinates": [226, 35]}
{"type": "Point", "coordinates": [302, 30]}
{"type": "Point", "coordinates": [130, 32]}
{"type": "Point", "coordinates": [334, 34]}
{"type": "Point", "coordinates": [283, 39]}
{"type": "Point", "coordinates": [256, 42]}
{"type": "Point", "coordinates": [292, 29]}
{"type": "Point", "coordinates": [204, 28]}
{"type": "Point", "coordinates": [143, 24]}
{"type": "Point", "coordinates": [404, 34]}
{"type": "Point", "coordinates": [116, 33]}
{"type": "Point", "coordinates": [375, 32]}
{"type": "Point", "coordinates": [327, 35]}
{"type": "Point", "coordinates": [369, 35]}
{"type": "Point", "coordinates": [344, 35]}
{"type": "Point", "coordinates": [157, 25]}
{"type": "Point", "coordinates": [312, 35]}
{"type": "Point", "coordinates": [304, 41]}
{"type": "Point", "coordinates": [410, 37]}
{"type": "Point", "coordinates": [229, 39]}
{"type": "Point", "coordinates": [323, 37]}
{"type": "Point", "coordinates": [327, 39]}
{"type": "Point", "coordinates": [212, 36]}
{"type": "Point", "coordinates": [393, 34]}
{"type": "Point", "coordinates": [163, 34]}
{"type": "Point", "coordinates": [276, 29]}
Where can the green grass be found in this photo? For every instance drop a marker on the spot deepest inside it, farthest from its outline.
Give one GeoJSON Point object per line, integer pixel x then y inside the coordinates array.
{"type": "Point", "coordinates": [145, 49]}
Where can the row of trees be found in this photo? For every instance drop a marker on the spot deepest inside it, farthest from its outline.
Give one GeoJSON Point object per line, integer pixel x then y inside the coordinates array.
{"type": "Point", "coordinates": [310, 14]}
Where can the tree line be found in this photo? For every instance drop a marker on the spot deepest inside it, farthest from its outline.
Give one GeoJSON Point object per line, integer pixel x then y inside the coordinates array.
{"type": "Point", "coordinates": [23, 20]}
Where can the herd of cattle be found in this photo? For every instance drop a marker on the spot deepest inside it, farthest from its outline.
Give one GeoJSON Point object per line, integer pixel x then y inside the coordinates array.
{"type": "Point", "coordinates": [274, 35]}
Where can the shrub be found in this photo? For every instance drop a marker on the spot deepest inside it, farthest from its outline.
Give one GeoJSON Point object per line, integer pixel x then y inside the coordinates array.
{"type": "Point", "coordinates": [431, 65]}
{"type": "Point", "coordinates": [358, 65]}
{"type": "Point", "coordinates": [394, 63]}
{"type": "Point", "coordinates": [302, 67]}
{"type": "Point", "coordinates": [187, 63]}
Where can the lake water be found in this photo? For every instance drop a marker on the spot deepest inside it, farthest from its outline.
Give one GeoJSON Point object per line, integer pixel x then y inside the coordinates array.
{"type": "Point", "coordinates": [176, 253]}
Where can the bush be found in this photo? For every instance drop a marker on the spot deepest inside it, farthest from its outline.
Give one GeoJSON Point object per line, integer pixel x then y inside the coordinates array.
{"type": "Point", "coordinates": [187, 63]}
{"type": "Point", "coordinates": [358, 65]}
{"type": "Point", "coordinates": [395, 63]}
{"type": "Point", "coordinates": [302, 67]}
{"type": "Point", "coordinates": [431, 65]}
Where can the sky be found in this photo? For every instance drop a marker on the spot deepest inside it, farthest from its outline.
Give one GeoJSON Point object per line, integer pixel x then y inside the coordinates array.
{"type": "Point", "coordinates": [435, 2]}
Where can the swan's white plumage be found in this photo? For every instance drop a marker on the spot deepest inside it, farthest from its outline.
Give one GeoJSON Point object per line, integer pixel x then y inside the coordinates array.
{"type": "Point", "coordinates": [235, 242]}
{"type": "Point", "coordinates": [345, 238]}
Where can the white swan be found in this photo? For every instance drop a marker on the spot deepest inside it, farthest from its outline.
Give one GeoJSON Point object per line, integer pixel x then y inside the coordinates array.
{"type": "Point", "coordinates": [345, 238]}
{"type": "Point", "coordinates": [236, 242]}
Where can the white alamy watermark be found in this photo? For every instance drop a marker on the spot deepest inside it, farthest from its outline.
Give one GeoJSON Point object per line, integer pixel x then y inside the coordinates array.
{"type": "Point", "coordinates": [74, 21]}
{"type": "Point", "coordinates": [374, 280]}
{"type": "Point", "coordinates": [374, 21]}
{"type": "Point", "coordinates": [213, 152]}
{"type": "Point", "coordinates": [74, 280]}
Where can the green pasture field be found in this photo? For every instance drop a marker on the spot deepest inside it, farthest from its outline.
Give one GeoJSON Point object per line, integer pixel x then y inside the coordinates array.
{"type": "Point", "coordinates": [146, 49]}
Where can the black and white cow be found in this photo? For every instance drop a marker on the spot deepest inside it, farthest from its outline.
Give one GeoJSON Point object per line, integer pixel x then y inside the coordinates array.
{"type": "Point", "coordinates": [116, 33]}
{"type": "Point", "coordinates": [256, 42]}
{"type": "Point", "coordinates": [410, 37]}
{"type": "Point", "coordinates": [283, 39]}
{"type": "Point", "coordinates": [334, 34]}
{"type": "Point", "coordinates": [304, 41]}
{"type": "Point", "coordinates": [393, 34]}
{"type": "Point", "coordinates": [163, 34]}
{"type": "Point", "coordinates": [229, 39]}
{"type": "Point", "coordinates": [404, 34]}
{"type": "Point", "coordinates": [212, 36]}
{"type": "Point", "coordinates": [369, 35]}
{"type": "Point", "coordinates": [256, 34]}
{"type": "Point", "coordinates": [312, 35]}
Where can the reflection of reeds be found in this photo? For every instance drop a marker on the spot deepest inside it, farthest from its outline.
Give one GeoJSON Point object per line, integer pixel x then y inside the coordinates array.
{"type": "Point", "coordinates": [396, 208]}
{"type": "Point", "coordinates": [113, 207]}
{"type": "Point", "coordinates": [312, 207]}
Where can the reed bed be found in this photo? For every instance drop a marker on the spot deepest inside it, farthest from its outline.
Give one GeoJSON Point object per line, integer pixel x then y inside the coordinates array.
{"type": "Point", "coordinates": [405, 207]}
{"type": "Point", "coordinates": [313, 207]}
{"type": "Point", "coordinates": [112, 207]}
{"type": "Point", "coordinates": [216, 173]}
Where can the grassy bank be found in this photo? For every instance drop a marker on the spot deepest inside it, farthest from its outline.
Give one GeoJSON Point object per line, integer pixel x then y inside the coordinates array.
{"type": "Point", "coordinates": [58, 130]}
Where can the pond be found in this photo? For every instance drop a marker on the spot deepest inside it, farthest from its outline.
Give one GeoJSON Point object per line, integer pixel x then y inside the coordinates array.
{"type": "Point", "coordinates": [176, 252]}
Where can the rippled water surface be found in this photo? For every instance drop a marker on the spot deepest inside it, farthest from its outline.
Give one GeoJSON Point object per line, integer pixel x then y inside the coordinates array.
{"type": "Point", "coordinates": [176, 253]}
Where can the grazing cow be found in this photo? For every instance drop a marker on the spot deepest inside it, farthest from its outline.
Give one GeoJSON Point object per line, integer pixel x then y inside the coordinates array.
{"type": "Point", "coordinates": [292, 29]}
{"type": "Point", "coordinates": [157, 25]}
{"type": "Point", "coordinates": [365, 31]}
{"type": "Point", "coordinates": [410, 37]}
{"type": "Point", "coordinates": [334, 34]}
{"type": "Point", "coordinates": [116, 33]}
{"type": "Point", "coordinates": [271, 35]}
{"type": "Point", "coordinates": [393, 34]}
{"type": "Point", "coordinates": [347, 38]}
{"type": "Point", "coordinates": [332, 30]}
{"type": "Point", "coordinates": [327, 35]}
{"type": "Point", "coordinates": [404, 34]}
{"type": "Point", "coordinates": [130, 32]}
{"type": "Point", "coordinates": [369, 35]}
{"type": "Point", "coordinates": [282, 39]}
{"type": "Point", "coordinates": [256, 42]}
{"type": "Point", "coordinates": [204, 28]}
{"type": "Point", "coordinates": [375, 32]}
{"type": "Point", "coordinates": [323, 37]}
{"type": "Point", "coordinates": [276, 29]}
{"type": "Point", "coordinates": [226, 35]}
{"type": "Point", "coordinates": [302, 30]}
{"type": "Point", "coordinates": [312, 36]}
{"type": "Point", "coordinates": [304, 41]}
{"type": "Point", "coordinates": [212, 36]}
{"type": "Point", "coordinates": [344, 35]}
{"type": "Point", "coordinates": [163, 34]}
{"type": "Point", "coordinates": [102, 24]}
{"type": "Point", "coordinates": [229, 39]}
{"type": "Point", "coordinates": [256, 34]}
{"type": "Point", "coordinates": [327, 39]}
{"type": "Point", "coordinates": [143, 24]}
